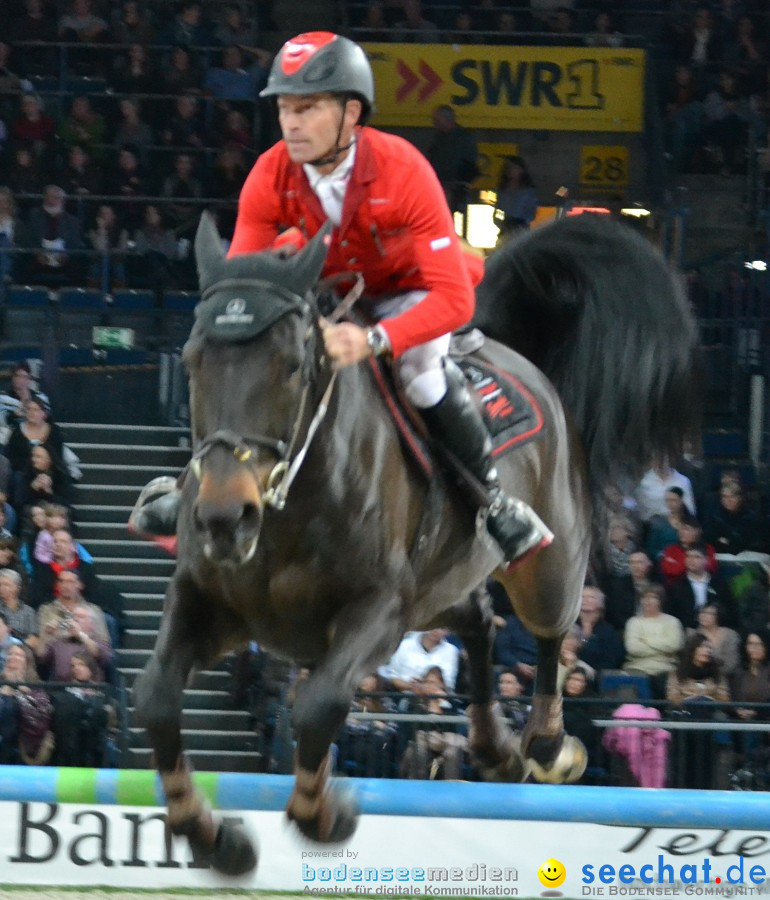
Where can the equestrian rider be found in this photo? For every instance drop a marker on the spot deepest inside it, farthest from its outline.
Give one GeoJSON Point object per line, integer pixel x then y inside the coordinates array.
{"type": "Point", "coordinates": [393, 225]}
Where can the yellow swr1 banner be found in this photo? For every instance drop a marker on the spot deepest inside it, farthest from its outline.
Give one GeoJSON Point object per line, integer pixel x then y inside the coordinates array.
{"type": "Point", "coordinates": [552, 88]}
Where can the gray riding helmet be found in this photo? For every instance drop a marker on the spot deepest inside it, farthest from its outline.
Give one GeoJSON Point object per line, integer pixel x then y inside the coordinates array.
{"type": "Point", "coordinates": [319, 62]}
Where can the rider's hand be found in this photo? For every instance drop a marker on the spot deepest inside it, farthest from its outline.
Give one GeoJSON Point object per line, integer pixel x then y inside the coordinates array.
{"type": "Point", "coordinates": [346, 344]}
{"type": "Point", "coordinates": [289, 242]}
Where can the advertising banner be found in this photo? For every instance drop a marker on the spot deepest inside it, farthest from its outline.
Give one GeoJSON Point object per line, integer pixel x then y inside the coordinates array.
{"type": "Point", "coordinates": [121, 846]}
{"type": "Point", "coordinates": [551, 88]}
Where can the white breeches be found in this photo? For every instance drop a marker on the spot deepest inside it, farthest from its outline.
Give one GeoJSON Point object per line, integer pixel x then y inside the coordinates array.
{"type": "Point", "coordinates": [420, 369]}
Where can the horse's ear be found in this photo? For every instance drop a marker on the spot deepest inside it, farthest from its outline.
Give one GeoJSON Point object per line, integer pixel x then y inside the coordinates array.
{"type": "Point", "coordinates": [306, 266]}
{"type": "Point", "coordinates": [209, 254]}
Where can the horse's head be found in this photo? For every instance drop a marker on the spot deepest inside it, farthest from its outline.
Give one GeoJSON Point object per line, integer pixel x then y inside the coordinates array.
{"type": "Point", "coordinates": [251, 358]}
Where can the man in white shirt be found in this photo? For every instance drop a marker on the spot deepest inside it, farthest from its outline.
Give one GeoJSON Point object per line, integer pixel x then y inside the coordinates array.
{"type": "Point", "coordinates": [650, 494]}
{"type": "Point", "coordinates": [416, 653]}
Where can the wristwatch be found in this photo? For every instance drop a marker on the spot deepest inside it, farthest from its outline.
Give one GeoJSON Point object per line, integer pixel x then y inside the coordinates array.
{"type": "Point", "coordinates": [377, 341]}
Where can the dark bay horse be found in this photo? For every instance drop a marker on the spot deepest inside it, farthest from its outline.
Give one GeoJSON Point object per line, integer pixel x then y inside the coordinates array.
{"type": "Point", "coordinates": [308, 532]}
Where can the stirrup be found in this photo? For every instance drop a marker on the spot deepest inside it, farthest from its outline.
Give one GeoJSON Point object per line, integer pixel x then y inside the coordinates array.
{"type": "Point", "coordinates": [158, 487]}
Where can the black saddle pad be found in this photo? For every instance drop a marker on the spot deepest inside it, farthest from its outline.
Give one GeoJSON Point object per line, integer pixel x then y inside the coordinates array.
{"type": "Point", "coordinates": [511, 413]}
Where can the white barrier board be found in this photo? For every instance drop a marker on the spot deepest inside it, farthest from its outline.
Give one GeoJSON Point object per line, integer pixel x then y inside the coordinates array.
{"type": "Point", "coordinates": [68, 844]}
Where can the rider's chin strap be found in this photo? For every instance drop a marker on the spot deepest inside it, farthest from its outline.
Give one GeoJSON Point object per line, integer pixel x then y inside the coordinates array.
{"type": "Point", "coordinates": [280, 479]}
{"type": "Point", "coordinates": [338, 151]}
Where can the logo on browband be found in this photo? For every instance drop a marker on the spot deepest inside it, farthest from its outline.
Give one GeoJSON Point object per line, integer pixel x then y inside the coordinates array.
{"type": "Point", "coordinates": [235, 314]}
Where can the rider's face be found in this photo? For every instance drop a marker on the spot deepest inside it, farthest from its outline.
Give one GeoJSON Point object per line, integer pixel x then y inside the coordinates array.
{"type": "Point", "coordinates": [310, 124]}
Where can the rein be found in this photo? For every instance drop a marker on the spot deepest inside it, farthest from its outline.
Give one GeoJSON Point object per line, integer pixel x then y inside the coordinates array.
{"type": "Point", "coordinates": [281, 478]}
{"type": "Point", "coordinates": [283, 474]}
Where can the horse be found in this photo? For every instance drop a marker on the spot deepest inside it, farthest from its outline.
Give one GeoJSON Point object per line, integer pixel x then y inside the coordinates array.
{"type": "Point", "coordinates": [305, 524]}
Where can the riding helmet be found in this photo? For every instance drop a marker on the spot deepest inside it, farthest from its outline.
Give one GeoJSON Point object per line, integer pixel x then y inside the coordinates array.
{"type": "Point", "coordinates": [320, 62]}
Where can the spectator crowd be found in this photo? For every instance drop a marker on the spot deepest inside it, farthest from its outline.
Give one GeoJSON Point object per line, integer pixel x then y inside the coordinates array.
{"type": "Point", "coordinates": [118, 124]}
{"type": "Point", "coordinates": [59, 623]}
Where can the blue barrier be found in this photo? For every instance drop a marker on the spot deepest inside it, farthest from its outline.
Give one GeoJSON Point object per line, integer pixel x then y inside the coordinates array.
{"type": "Point", "coordinates": [564, 803]}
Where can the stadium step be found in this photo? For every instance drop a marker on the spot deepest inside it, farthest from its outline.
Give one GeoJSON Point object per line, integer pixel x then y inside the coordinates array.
{"type": "Point", "coordinates": [149, 584]}
{"type": "Point", "coordinates": [108, 494]}
{"type": "Point", "coordinates": [131, 454]}
{"type": "Point", "coordinates": [217, 719]}
{"type": "Point", "coordinates": [111, 473]}
{"type": "Point", "coordinates": [116, 463]}
{"type": "Point", "coordinates": [208, 680]}
{"type": "Point", "coordinates": [203, 739]}
{"type": "Point", "coordinates": [202, 760]}
{"type": "Point", "coordinates": [102, 513]}
{"type": "Point", "coordinates": [151, 435]}
{"type": "Point", "coordinates": [143, 619]}
{"type": "Point", "coordinates": [142, 602]}
{"type": "Point", "coordinates": [139, 639]}
{"type": "Point", "coordinates": [129, 547]}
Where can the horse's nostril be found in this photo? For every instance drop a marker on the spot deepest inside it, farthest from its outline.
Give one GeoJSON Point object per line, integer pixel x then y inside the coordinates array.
{"type": "Point", "coordinates": [251, 515]}
{"type": "Point", "coordinates": [197, 520]}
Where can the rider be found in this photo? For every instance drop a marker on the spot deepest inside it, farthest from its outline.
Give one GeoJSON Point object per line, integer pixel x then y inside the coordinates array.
{"type": "Point", "coordinates": [393, 225]}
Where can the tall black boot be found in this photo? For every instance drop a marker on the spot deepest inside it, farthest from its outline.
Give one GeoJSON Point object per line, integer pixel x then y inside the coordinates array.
{"type": "Point", "coordinates": [456, 422]}
{"type": "Point", "coordinates": [156, 510]}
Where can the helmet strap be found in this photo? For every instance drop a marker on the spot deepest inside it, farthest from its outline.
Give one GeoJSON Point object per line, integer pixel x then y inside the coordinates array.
{"type": "Point", "coordinates": [338, 150]}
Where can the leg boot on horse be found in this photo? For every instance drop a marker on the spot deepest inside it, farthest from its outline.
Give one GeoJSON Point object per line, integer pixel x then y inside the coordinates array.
{"type": "Point", "coordinates": [456, 422]}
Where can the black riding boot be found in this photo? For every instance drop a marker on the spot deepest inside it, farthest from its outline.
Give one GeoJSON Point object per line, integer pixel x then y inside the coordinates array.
{"type": "Point", "coordinates": [456, 422]}
{"type": "Point", "coordinates": [156, 516]}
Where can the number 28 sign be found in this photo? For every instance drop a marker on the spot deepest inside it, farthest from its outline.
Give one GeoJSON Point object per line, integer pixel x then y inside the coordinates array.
{"type": "Point", "coordinates": [603, 166]}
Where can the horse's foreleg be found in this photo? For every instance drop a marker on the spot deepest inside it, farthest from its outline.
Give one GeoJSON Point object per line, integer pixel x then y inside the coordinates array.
{"type": "Point", "coordinates": [494, 748]}
{"type": "Point", "coordinates": [365, 634]}
{"type": "Point", "coordinates": [555, 757]}
{"type": "Point", "coordinates": [158, 700]}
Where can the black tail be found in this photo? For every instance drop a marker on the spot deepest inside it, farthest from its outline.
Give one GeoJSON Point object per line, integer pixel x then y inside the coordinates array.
{"type": "Point", "coordinates": [597, 309]}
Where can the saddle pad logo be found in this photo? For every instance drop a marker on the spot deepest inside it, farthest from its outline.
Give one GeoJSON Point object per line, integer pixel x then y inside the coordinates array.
{"type": "Point", "coordinates": [511, 413]}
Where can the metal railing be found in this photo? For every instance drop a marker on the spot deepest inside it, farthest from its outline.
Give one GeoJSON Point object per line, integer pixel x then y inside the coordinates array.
{"type": "Point", "coordinates": [700, 745]}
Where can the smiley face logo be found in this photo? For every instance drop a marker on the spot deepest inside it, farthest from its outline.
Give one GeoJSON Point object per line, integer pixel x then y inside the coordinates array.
{"type": "Point", "coordinates": [552, 873]}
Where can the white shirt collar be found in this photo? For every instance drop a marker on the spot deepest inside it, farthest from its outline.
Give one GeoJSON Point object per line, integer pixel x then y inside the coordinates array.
{"type": "Point", "coordinates": [341, 173]}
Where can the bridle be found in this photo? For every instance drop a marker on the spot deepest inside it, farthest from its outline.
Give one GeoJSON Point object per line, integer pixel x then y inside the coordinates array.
{"type": "Point", "coordinates": [243, 447]}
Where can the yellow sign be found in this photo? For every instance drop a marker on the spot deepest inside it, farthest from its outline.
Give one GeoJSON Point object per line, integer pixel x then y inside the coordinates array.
{"type": "Point", "coordinates": [491, 159]}
{"type": "Point", "coordinates": [603, 166]}
{"type": "Point", "coordinates": [552, 88]}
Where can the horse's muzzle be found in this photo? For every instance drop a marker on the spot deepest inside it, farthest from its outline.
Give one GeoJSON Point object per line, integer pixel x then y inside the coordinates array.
{"type": "Point", "coordinates": [229, 531]}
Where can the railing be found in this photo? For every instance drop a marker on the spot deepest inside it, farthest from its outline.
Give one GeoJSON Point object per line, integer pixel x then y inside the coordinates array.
{"type": "Point", "coordinates": [701, 745]}
{"type": "Point", "coordinates": [62, 51]}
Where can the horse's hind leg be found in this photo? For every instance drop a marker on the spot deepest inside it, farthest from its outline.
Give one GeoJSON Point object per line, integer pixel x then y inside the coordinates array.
{"type": "Point", "coordinates": [366, 632]}
{"type": "Point", "coordinates": [493, 746]}
{"type": "Point", "coordinates": [554, 756]}
{"type": "Point", "coordinates": [158, 701]}
{"type": "Point", "coordinates": [545, 591]}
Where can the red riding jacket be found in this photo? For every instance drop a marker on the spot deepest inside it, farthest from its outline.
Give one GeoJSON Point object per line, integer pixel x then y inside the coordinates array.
{"type": "Point", "coordinates": [396, 230]}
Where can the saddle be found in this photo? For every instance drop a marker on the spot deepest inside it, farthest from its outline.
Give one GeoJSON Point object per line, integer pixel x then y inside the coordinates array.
{"type": "Point", "coordinates": [512, 415]}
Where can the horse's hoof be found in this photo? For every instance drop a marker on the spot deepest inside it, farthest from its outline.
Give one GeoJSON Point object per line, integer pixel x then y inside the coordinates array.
{"type": "Point", "coordinates": [566, 768]}
{"type": "Point", "coordinates": [335, 824]}
{"type": "Point", "coordinates": [234, 852]}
